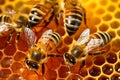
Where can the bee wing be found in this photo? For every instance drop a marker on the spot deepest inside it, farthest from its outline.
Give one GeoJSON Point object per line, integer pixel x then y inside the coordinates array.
{"type": "Point", "coordinates": [84, 37]}
{"type": "Point", "coordinates": [94, 44]}
{"type": "Point", "coordinates": [44, 38]}
{"type": "Point", "coordinates": [30, 37]}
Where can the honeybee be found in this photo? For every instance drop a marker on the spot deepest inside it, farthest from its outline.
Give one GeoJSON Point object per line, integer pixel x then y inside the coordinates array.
{"type": "Point", "coordinates": [7, 23]}
{"type": "Point", "coordinates": [43, 13]}
{"type": "Point", "coordinates": [87, 45]}
{"type": "Point", "coordinates": [74, 14]}
{"type": "Point", "coordinates": [38, 52]}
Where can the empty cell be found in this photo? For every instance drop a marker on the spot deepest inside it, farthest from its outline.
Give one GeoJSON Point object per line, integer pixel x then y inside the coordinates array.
{"type": "Point", "coordinates": [103, 2]}
{"type": "Point", "coordinates": [107, 69]}
{"type": "Point", "coordinates": [114, 24]}
{"type": "Point", "coordinates": [103, 27]}
{"type": "Point", "coordinates": [100, 11]}
{"type": "Point", "coordinates": [117, 14]}
{"type": "Point", "coordinates": [115, 45]}
{"type": "Point", "coordinates": [6, 62]}
{"type": "Point", "coordinates": [107, 17]}
{"type": "Point", "coordinates": [111, 8]}
{"type": "Point", "coordinates": [94, 71]}
{"type": "Point", "coordinates": [2, 2]}
{"type": "Point", "coordinates": [118, 32]}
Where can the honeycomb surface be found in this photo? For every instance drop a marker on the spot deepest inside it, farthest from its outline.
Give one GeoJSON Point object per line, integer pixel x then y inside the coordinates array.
{"type": "Point", "coordinates": [102, 15]}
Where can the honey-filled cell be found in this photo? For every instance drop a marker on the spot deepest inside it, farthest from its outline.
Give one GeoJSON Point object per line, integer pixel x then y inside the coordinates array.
{"type": "Point", "coordinates": [103, 78]}
{"type": "Point", "coordinates": [111, 57]}
{"type": "Point", "coordinates": [107, 69]}
{"type": "Point", "coordinates": [115, 77]}
{"type": "Point", "coordinates": [5, 73]}
{"type": "Point", "coordinates": [95, 71]}
{"type": "Point", "coordinates": [117, 67]}
{"type": "Point", "coordinates": [74, 77]}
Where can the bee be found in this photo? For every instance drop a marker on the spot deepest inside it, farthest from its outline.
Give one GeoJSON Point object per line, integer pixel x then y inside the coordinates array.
{"type": "Point", "coordinates": [43, 13]}
{"type": "Point", "coordinates": [74, 14]}
{"type": "Point", "coordinates": [87, 44]}
{"type": "Point", "coordinates": [12, 24]}
{"type": "Point", "coordinates": [38, 52]}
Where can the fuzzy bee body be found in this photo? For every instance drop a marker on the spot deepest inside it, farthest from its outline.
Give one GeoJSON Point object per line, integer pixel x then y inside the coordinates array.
{"type": "Point", "coordinates": [73, 16]}
{"type": "Point", "coordinates": [38, 52]}
{"type": "Point", "coordinates": [87, 45]}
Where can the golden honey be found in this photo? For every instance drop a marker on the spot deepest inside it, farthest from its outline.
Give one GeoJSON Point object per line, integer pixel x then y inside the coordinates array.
{"type": "Point", "coordinates": [102, 15]}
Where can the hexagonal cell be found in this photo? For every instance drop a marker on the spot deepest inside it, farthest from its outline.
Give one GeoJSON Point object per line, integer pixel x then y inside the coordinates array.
{"type": "Point", "coordinates": [94, 71]}
{"type": "Point", "coordinates": [10, 49]}
{"type": "Point", "coordinates": [1, 55]}
{"type": "Point", "coordinates": [6, 61]}
{"type": "Point", "coordinates": [115, 1]}
{"type": "Point", "coordinates": [103, 3]}
{"type": "Point", "coordinates": [63, 49]}
{"type": "Point", "coordinates": [96, 21]}
{"type": "Point", "coordinates": [19, 56]}
{"type": "Point", "coordinates": [63, 71]}
{"type": "Point", "coordinates": [15, 77]}
{"type": "Point", "coordinates": [99, 60]}
{"type": "Point", "coordinates": [103, 78]}
{"type": "Point", "coordinates": [104, 27]}
{"type": "Point", "coordinates": [111, 57]}
{"type": "Point", "coordinates": [50, 75]}
{"type": "Point", "coordinates": [114, 24]}
{"type": "Point", "coordinates": [20, 45]}
{"type": "Point", "coordinates": [117, 67]}
{"type": "Point", "coordinates": [115, 77]}
{"type": "Point", "coordinates": [107, 69]}
{"type": "Point", "coordinates": [117, 15]}
{"type": "Point", "coordinates": [16, 67]}
{"type": "Point", "coordinates": [83, 72]}
{"type": "Point", "coordinates": [100, 11]}
{"type": "Point", "coordinates": [61, 31]}
{"type": "Point", "coordinates": [53, 63]}
{"type": "Point", "coordinates": [90, 78]}
{"type": "Point", "coordinates": [107, 17]}
{"type": "Point", "coordinates": [111, 8]}
{"type": "Point", "coordinates": [4, 73]}
{"type": "Point", "coordinates": [74, 77]}
{"type": "Point", "coordinates": [115, 45]}
{"type": "Point", "coordinates": [68, 40]}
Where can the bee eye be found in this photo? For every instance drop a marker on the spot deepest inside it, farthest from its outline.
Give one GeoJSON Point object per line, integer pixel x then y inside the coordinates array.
{"type": "Point", "coordinates": [70, 58]}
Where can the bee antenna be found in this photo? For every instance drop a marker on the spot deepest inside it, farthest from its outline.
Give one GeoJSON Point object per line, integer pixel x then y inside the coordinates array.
{"type": "Point", "coordinates": [36, 73]}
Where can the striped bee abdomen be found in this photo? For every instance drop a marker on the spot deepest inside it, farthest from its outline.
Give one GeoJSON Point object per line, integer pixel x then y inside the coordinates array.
{"type": "Point", "coordinates": [5, 19]}
{"type": "Point", "coordinates": [106, 37]}
{"type": "Point", "coordinates": [72, 20]}
{"type": "Point", "coordinates": [37, 14]}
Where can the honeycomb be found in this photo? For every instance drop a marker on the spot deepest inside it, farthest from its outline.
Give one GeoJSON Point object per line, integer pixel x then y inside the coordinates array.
{"type": "Point", "coordinates": [102, 15]}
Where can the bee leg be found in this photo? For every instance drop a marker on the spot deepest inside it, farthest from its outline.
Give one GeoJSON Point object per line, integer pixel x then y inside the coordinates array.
{"type": "Point", "coordinates": [43, 69]}
{"type": "Point", "coordinates": [10, 37]}
{"type": "Point", "coordinates": [85, 21]}
{"type": "Point", "coordinates": [57, 17]}
{"type": "Point", "coordinates": [17, 37]}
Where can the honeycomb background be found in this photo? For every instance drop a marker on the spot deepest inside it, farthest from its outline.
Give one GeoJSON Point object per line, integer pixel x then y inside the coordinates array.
{"type": "Point", "coordinates": [102, 15]}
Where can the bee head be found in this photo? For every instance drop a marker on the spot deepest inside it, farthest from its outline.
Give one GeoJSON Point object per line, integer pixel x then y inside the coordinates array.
{"type": "Point", "coordinates": [69, 59]}
{"type": "Point", "coordinates": [32, 65]}
{"type": "Point", "coordinates": [34, 58]}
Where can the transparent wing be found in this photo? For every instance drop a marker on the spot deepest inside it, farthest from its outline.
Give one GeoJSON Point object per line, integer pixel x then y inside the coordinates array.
{"type": "Point", "coordinates": [30, 37]}
{"type": "Point", "coordinates": [94, 44]}
{"type": "Point", "coordinates": [44, 38]}
{"type": "Point", "coordinates": [84, 37]}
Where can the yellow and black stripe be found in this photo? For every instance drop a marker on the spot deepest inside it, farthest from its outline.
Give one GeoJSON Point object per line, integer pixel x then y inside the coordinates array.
{"type": "Point", "coordinates": [37, 14]}
{"type": "Point", "coordinates": [5, 19]}
{"type": "Point", "coordinates": [72, 19]}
